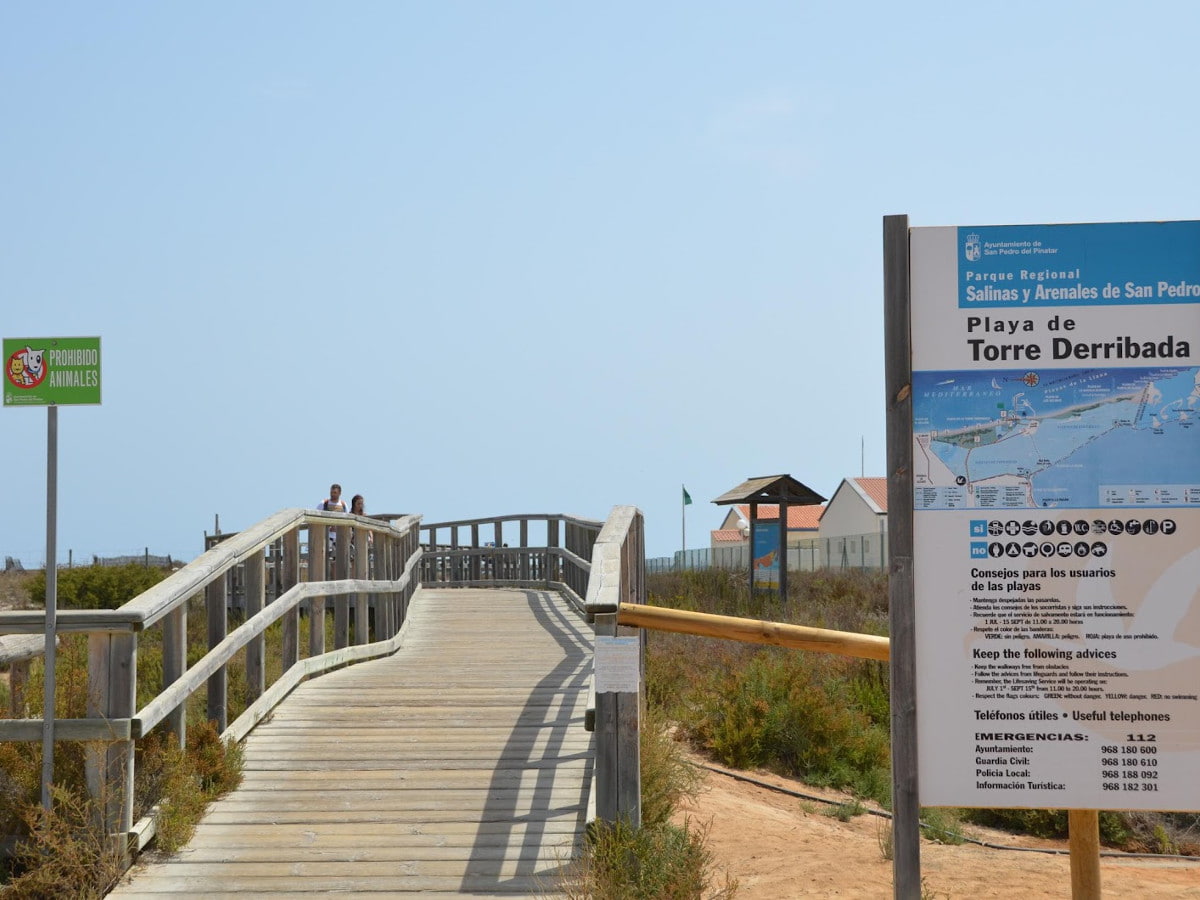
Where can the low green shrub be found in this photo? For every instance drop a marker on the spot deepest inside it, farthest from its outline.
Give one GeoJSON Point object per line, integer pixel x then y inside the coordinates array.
{"type": "Point", "coordinates": [794, 714]}
{"type": "Point", "coordinates": [661, 859]}
{"type": "Point", "coordinates": [182, 782]}
{"type": "Point", "coordinates": [667, 778]}
{"type": "Point", "coordinates": [1115, 828]}
{"type": "Point", "coordinates": [663, 862]}
{"type": "Point", "coordinates": [96, 587]}
{"type": "Point", "coordinates": [942, 826]}
{"type": "Point", "coordinates": [846, 810]}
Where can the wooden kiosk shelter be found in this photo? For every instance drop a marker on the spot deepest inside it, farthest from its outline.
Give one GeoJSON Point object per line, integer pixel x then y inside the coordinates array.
{"type": "Point", "coordinates": [783, 490]}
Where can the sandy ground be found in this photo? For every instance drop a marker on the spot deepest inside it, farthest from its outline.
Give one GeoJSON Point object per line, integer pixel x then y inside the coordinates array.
{"type": "Point", "coordinates": [779, 846]}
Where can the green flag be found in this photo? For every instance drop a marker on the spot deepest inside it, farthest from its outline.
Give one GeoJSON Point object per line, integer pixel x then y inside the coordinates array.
{"type": "Point", "coordinates": [687, 498]}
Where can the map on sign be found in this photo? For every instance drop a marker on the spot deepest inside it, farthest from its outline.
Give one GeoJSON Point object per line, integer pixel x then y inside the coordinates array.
{"type": "Point", "coordinates": [1056, 438]}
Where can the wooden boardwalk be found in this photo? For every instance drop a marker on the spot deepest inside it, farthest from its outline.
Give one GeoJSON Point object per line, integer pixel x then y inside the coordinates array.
{"type": "Point", "coordinates": [459, 765]}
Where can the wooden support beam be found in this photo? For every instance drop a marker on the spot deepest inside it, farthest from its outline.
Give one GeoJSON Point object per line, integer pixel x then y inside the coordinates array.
{"type": "Point", "coordinates": [318, 554]}
{"type": "Point", "coordinates": [341, 602]}
{"type": "Point", "coordinates": [362, 613]}
{"type": "Point", "coordinates": [255, 591]}
{"type": "Point", "coordinates": [289, 578]}
{"type": "Point", "coordinates": [215, 598]}
{"type": "Point", "coordinates": [174, 664]}
{"type": "Point", "coordinates": [112, 689]}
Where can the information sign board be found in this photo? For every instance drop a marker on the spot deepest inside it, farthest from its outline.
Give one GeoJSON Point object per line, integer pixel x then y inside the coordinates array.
{"type": "Point", "coordinates": [57, 371]}
{"type": "Point", "coordinates": [1056, 514]}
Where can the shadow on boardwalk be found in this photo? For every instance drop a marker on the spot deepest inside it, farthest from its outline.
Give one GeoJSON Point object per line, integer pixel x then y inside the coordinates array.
{"type": "Point", "coordinates": [551, 708]}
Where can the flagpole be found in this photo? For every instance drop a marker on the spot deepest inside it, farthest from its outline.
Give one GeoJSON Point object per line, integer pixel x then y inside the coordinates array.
{"type": "Point", "coordinates": [683, 527]}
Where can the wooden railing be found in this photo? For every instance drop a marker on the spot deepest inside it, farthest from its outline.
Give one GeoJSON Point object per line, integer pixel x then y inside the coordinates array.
{"type": "Point", "coordinates": [476, 553]}
{"type": "Point", "coordinates": [618, 576]}
{"type": "Point", "coordinates": [370, 589]}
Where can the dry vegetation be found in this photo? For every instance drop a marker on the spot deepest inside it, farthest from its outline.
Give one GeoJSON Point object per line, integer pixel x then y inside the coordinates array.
{"type": "Point", "coordinates": [63, 853]}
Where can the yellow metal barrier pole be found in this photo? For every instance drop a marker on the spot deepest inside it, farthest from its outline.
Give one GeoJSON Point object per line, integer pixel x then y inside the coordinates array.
{"type": "Point", "coordinates": [754, 631]}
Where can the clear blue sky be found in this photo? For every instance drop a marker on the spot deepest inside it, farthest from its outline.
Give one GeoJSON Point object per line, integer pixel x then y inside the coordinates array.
{"type": "Point", "coordinates": [481, 258]}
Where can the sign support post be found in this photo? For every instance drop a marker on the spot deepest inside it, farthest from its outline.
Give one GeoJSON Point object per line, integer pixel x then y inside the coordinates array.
{"type": "Point", "coordinates": [51, 372]}
{"type": "Point", "coordinates": [1083, 826]}
{"type": "Point", "coordinates": [51, 652]}
{"type": "Point", "coordinates": [906, 809]}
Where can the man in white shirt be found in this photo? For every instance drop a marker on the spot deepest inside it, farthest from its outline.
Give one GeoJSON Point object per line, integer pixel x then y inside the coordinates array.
{"type": "Point", "coordinates": [334, 502]}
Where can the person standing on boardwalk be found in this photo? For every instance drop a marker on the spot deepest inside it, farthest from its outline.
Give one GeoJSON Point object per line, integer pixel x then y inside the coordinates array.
{"type": "Point", "coordinates": [334, 502]}
{"type": "Point", "coordinates": [358, 507]}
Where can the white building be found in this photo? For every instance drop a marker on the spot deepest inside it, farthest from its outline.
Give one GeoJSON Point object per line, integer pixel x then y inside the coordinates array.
{"type": "Point", "coordinates": [853, 528]}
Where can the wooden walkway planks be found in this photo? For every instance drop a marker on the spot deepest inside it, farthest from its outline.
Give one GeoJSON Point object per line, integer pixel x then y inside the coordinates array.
{"type": "Point", "coordinates": [458, 765]}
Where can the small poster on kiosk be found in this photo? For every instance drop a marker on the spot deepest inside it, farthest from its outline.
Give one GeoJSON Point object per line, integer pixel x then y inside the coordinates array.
{"type": "Point", "coordinates": [1056, 514]}
{"type": "Point", "coordinates": [766, 554]}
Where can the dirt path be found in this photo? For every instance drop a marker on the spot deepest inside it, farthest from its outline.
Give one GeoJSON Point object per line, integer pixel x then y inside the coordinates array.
{"type": "Point", "coordinates": [779, 846]}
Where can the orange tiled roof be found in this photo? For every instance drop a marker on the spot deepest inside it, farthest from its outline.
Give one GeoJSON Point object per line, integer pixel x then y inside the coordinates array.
{"type": "Point", "coordinates": [799, 518]}
{"type": "Point", "coordinates": [728, 535]}
{"type": "Point", "coordinates": [874, 488]}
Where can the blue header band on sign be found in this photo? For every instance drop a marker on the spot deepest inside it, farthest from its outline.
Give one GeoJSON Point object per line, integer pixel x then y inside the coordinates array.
{"type": "Point", "coordinates": [1108, 264]}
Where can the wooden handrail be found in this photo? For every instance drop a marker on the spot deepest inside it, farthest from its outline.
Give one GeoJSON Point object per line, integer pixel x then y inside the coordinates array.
{"type": "Point", "coordinates": [484, 552]}
{"type": "Point", "coordinates": [515, 517]}
{"type": "Point", "coordinates": [21, 648]}
{"type": "Point", "coordinates": [159, 600]}
{"type": "Point", "coordinates": [755, 631]}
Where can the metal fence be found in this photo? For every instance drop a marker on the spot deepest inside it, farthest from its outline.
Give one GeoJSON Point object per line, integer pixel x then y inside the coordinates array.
{"type": "Point", "coordinates": [145, 558]}
{"type": "Point", "coordinates": [852, 551]}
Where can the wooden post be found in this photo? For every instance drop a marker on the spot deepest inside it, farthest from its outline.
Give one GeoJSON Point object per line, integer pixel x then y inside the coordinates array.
{"type": "Point", "coordinates": [255, 581]}
{"type": "Point", "coordinates": [750, 537]}
{"type": "Point", "coordinates": [783, 551]}
{"type": "Point", "coordinates": [501, 555]}
{"type": "Point", "coordinates": [289, 569]}
{"type": "Point", "coordinates": [431, 565]}
{"type": "Point", "coordinates": [1084, 831]}
{"type": "Point", "coordinates": [216, 600]}
{"type": "Point", "coordinates": [385, 604]}
{"type": "Point", "coordinates": [549, 567]}
{"type": "Point", "coordinates": [476, 561]}
{"type": "Point", "coordinates": [362, 613]}
{"type": "Point", "coordinates": [174, 664]}
{"type": "Point", "coordinates": [318, 553]}
{"type": "Point", "coordinates": [906, 829]}
{"type": "Point", "coordinates": [112, 689]}
{"type": "Point", "coordinates": [18, 678]}
{"type": "Point", "coordinates": [618, 769]}
{"type": "Point", "coordinates": [607, 761]}
{"type": "Point", "coordinates": [341, 602]}
{"type": "Point", "coordinates": [524, 550]}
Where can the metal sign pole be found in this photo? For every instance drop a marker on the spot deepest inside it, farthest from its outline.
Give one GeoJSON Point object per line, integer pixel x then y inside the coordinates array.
{"type": "Point", "coordinates": [51, 601]}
